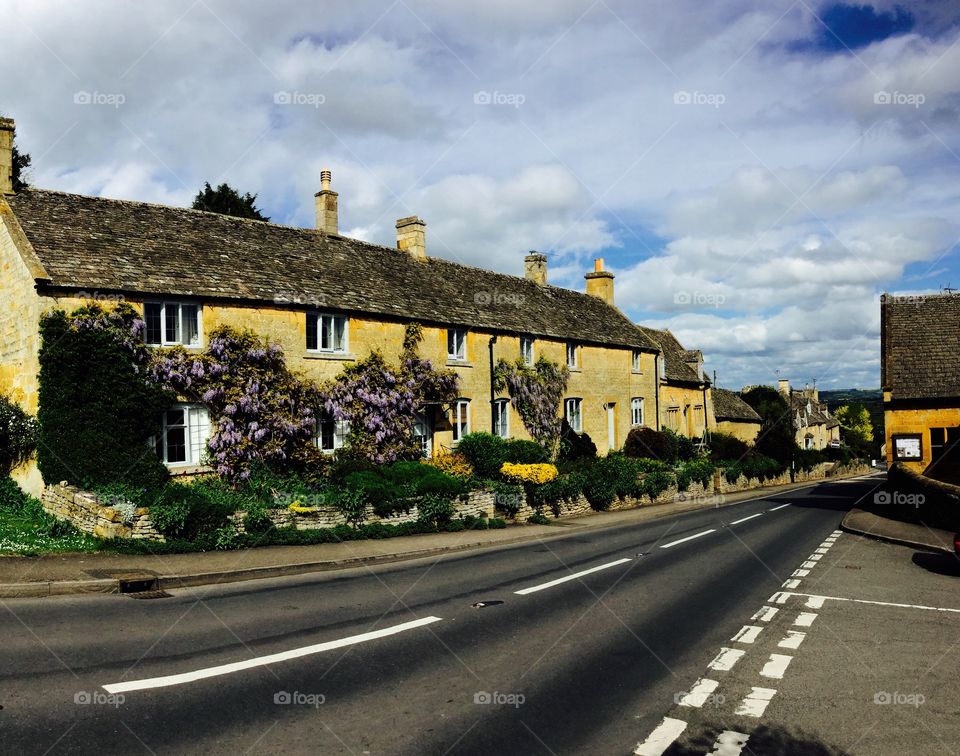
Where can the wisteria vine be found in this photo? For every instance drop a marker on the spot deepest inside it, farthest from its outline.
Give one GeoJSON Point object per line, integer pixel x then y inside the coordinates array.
{"type": "Point", "coordinates": [536, 392]}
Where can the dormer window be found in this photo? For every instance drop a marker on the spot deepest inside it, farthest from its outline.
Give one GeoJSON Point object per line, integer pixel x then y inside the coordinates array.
{"type": "Point", "coordinates": [170, 323]}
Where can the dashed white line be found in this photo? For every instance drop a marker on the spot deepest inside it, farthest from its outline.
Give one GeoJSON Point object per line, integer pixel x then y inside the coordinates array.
{"type": "Point", "coordinates": [821, 550]}
{"type": "Point", "coordinates": [699, 693]}
{"type": "Point", "coordinates": [804, 619]}
{"type": "Point", "coordinates": [791, 584]}
{"type": "Point", "coordinates": [568, 578]}
{"type": "Point", "coordinates": [688, 538]}
{"type": "Point", "coordinates": [724, 661]}
{"type": "Point", "coordinates": [800, 573]}
{"type": "Point", "coordinates": [780, 507]}
{"type": "Point", "coordinates": [792, 639]}
{"type": "Point", "coordinates": [744, 519]}
{"type": "Point", "coordinates": [815, 557]}
{"type": "Point", "coordinates": [261, 661]}
{"type": "Point", "coordinates": [661, 738]}
{"type": "Point", "coordinates": [776, 666]}
{"type": "Point", "coordinates": [766, 614]}
{"type": "Point", "coordinates": [808, 565]}
{"type": "Point", "coordinates": [756, 702]}
{"type": "Point", "coordinates": [729, 743]}
{"type": "Point", "coordinates": [814, 602]}
{"type": "Point", "coordinates": [747, 634]}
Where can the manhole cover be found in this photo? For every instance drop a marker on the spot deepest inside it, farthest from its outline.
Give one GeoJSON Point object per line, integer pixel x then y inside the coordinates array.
{"type": "Point", "coordinates": [484, 604]}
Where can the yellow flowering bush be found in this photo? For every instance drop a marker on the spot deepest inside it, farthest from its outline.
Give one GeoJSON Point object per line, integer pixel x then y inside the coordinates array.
{"type": "Point", "coordinates": [299, 508]}
{"type": "Point", "coordinates": [452, 464]}
{"type": "Point", "coordinates": [539, 474]}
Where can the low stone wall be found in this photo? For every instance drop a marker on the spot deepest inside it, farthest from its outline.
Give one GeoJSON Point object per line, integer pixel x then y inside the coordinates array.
{"type": "Point", "coordinates": [99, 517]}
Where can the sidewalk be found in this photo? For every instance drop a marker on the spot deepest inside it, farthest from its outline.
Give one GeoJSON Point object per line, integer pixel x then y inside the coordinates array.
{"type": "Point", "coordinates": [912, 534]}
{"type": "Point", "coordinates": [60, 574]}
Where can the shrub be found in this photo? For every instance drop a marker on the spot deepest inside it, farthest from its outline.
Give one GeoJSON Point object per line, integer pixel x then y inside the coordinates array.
{"type": "Point", "coordinates": [18, 436]}
{"type": "Point", "coordinates": [12, 498]}
{"type": "Point", "coordinates": [656, 482]}
{"type": "Point", "coordinates": [683, 447]}
{"type": "Point", "coordinates": [396, 487]}
{"type": "Point", "coordinates": [485, 452]}
{"type": "Point", "coordinates": [188, 513]}
{"type": "Point", "coordinates": [699, 470]}
{"type": "Point", "coordinates": [538, 473]}
{"type": "Point", "coordinates": [435, 509]}
{"type": "Point", "coordinates": [455, 464]}
{"type": "Point", "coordinates": [538, 518]}
{"type": "Point", "coordinates": [562, 488]}
{"type": "Point", "coordinates": [351, 503]}
{"type": "Point", "coordinates": [598, 488]}
{"type": "Point", "coordinates": [807, 459]}
{"type": "Point", "coordinates": [726, 447]}
{"type": "Point", "coordinates": [646, 442]}
{"type": "Point", "coordinates": [508, 497]}
{"type": "Point", "coordinates": [522, 452]}
{"type": "Point", "coordinates": [575, 446]}
{"type": "Point", "coordinates": [754, 465]}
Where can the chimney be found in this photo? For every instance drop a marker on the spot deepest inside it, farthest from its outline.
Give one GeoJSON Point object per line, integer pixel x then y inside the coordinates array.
{"type": "Point", "coordinates": [535, 268]}
{"type": "Point", "coordinates": [326, 201]}
{"type": "Point", "coordinates": [412, 237]}
{"type": "Point", "coordinates": [6, 155]}
{"type": "Point", "coordinates": [600, 282]}
{"type": "Point", "coordinates": [783, 385]}
{"type": "Point", "coordinates": [694, 360]}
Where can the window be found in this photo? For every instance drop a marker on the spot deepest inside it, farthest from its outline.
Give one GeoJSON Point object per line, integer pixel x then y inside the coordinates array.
{"type": "Point", "coordinates": [172, 323]}
{"type": "Point", "coordinates": [573, 356]}
{"type": "Point", "coordinates": [457, 343]}
{"type": "Point", "coordinates": [183, 436]}
{"type": "Point", "coordinates": [662, 367]}
{"type": "Point", "coordinates": [460, 419]}
{"type": "Point", "coordinates": [423, 432]}
{"type": "Point", "coordinates": [635, 362]}
{"type": "Point", "coordinates": [636, 411]}
{"type": "Point", "coordinates": [330, 433]}
{"type": "Point", "coordinates": [572, 413]}
{"type": "Point", "coordinates": [526, 349]}
{"type": "Point", "coordinates": [326, 333]}
{"type": "Point", "coordinates": [501, 418]}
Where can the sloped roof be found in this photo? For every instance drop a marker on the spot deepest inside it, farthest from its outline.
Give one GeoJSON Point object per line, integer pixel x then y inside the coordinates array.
{"type": "Point", "coordinates": [727, 405]}
{"type": "Point", "coordinates": [921, 346]}
{"type": "Point", "coordinates": [135, 247]}
{"type": "Point", "coordinates": [674, 355]}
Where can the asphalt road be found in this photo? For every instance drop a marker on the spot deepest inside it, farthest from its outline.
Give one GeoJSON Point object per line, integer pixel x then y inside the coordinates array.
{"type": "Point", "coordinates": [589, 665]}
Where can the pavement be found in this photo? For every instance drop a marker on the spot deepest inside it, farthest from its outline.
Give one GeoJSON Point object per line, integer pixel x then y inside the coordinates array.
{"type": "Point", "coordinates": [63, 574]}
{"type": "Point", "coordinates": [593, 641]}
{"type": "Point", "coordinates": [913, 534]}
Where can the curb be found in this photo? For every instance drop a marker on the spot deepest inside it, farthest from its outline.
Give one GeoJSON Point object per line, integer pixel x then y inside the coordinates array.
{"type": "Point", "coordinates": [848, 527]}
{"type": "Point", "coordinates": [43, 589]}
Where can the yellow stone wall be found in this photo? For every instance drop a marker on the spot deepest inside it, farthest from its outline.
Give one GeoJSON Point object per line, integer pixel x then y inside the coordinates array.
{"type": "Point", "coordinates": [918, 421]}
{"type": "Point", "coordinates": [746, 432]}
{"type": "Point", "coordinates": [680, 397]}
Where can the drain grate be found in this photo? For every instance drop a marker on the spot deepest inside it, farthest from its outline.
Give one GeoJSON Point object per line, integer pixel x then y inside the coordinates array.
{"type": "Point", "coordinates": [150, 595]}
{"type": "Point", "coordinates": [137, 583]}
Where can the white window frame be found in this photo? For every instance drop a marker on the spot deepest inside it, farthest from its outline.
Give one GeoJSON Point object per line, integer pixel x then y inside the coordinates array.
{"type": "Point", "coordinates": [457, 344]}
{"type": "Point", "coordinates": [636, 411]}
{"type": "Point", "coordinates": [573, 355]}
{"type": "Point", "coordinates": [573, 411]}
{"type": "Point", "coordinates": [325, 323]}
{"type": "Point", "coordinates": [423, 430]}
{"type": "Point", "coordinates": [340, 430]}
{"type": "Point", "coordinates": [501, 418]}
{"type": "Point", "coordinates": [527, 350]}
{"type": "Point", "coordinates": [165, 338]}
{"type": "Point", "coordinates": [196, 427]}
{"type": "Point", "coordinates": [460, 419]}
{"type": "Point", "coordinates": [635, 361]}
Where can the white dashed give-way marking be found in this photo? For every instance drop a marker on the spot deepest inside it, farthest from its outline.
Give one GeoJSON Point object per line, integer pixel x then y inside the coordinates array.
{"type": "Point", "coordinates": [776, 666]}
{"type": "Point", "coordinates": [747, 634]}
{"type": "Point", "coordinates": [756, 702]}
{"type": "Point", "coordinates": [724, 661]}
{"type": "Point", "coordinates": [792, 639]}
{"type": "Point", "coordinates": [688, 538]}
{"type": "Point", "coordinates": [805, 619]}
{"type": "Point", "coordinates": [766, 614]}
{"type": "Point", "coordinates": [729, 743]}
{"type": "Point", "coordinates": [661, 738]}
{"type": "Point", "coordinates": [699, 693]}
{"type": "Point", "coordinates": [793, 583]}
{"type": "Point", "coordinates": [262, 661]}
{"type": "Point", "coordinates": [567, 578]}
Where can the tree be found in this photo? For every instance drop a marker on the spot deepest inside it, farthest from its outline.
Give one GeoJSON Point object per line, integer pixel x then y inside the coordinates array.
{"type": "Point", "coordinates": [776, 439]}
{"type": "Point", "coordinates": [857, 428]}
{"type": "Point", "coordinates": [227, 201]}
{"type": "Point", "coordinates": [21, 161]}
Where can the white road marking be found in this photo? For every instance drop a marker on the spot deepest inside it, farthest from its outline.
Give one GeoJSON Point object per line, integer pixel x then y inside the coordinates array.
{"type": "Point", "coordinates": [724, 661]}
{"type": "Point", "coordinates": [568, 578]}
{"type": "Point", "coordinates": [815, 557]}
{"type": "Point", "coordinates": [780, 507]}
{"type": "Point", "coordinates": [792, 639]}
{"type": "Point", "coordinates": [790, 584]}
{"type": "Point", "coordinates": [688, 538]}
{"type": "Point", "coordinates": [821, 551]}
{"type": "Point", "coordinates": [800, 573]}
{"type": "Point", "coordinates": [744, 519]}
{"type": "Point", "coordinates": [261, 661]}
{"type": "Point", "coordinates": [776, 666]}
{"type": "Point", "coordinates": [756, 702]}
{"type": "Point", "coordinates": [808, 565]}
{"type": "Point", "coordinates": [661, 738]}
{"type": "Point", "coordinates": [747, 634]}
{"type": "Point", "coordinates": [780, 597]}
{"type": "Point", "coordinates": [699, 693]}
{"type": "Point", "coordinates": [816, 602]}
{"type": "Point", "coordinates": [804, 619]}
{"type": "Point", "coordinates": [729, 743]}
{"type": "Point", "coordinates": [837, 532]}
{"type": "Point", "coordinates": [766, 614]}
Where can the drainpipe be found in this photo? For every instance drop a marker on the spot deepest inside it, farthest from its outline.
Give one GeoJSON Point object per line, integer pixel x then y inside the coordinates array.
{"type": "Point", "coordinates": [493, 390]}
{"type": "Point", "coordinates": [656, 390]}
{"type": "Point", "coordinates": [706, 416]}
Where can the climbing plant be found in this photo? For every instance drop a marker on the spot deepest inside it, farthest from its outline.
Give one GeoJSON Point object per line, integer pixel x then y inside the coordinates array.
{"type": "Point", "coordinates": [536, 392]}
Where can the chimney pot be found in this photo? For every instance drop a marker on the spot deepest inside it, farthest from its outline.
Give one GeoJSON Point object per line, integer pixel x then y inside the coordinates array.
{"type": "Point", "coordinates": [783, 386]}
{"type": "Point", "coordinates": [7, 129]}
{"type": "Point", "coordinates": [326, 205]}
{"type": "Point", "coordinates": [598, 265]}
{"type": "Point", "coordinates": [535, 268]}
{"type": "Point", "coordinates": [412, 237]}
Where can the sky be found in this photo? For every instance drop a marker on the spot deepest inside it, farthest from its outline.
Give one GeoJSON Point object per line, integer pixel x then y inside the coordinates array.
{"type": "Point", "coordinates": [755, 172]}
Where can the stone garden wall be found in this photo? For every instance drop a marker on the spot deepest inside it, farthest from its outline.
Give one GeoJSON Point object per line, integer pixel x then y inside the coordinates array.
{"type": "Point", "coordinates": [98, 517]}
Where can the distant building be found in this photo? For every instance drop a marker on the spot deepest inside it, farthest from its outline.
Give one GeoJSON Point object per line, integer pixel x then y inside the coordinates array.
{"type": "Point", "coordinates": [734, 416]}
{"type": "Point", "coordinates": [920, 377]}
{"type": "Point", "coordinates": [814, 426]}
